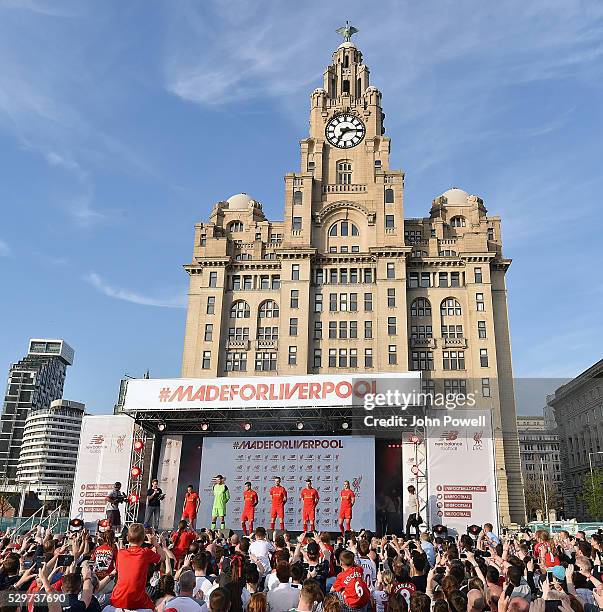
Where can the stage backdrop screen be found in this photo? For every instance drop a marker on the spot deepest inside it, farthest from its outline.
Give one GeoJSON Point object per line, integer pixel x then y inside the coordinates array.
{"type": "Point", "coordinates": [327, 460]}
{"type": "Point", "coordinates": [103, 458]}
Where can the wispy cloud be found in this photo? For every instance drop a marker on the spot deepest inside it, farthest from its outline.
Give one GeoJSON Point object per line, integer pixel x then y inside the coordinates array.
{"type": "Point", "coordinates": [5, 250]}
{"type": "Point", "coordinates": [177, 301]}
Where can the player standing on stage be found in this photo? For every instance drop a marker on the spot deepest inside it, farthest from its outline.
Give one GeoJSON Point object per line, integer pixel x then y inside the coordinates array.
{"type": "Point", "coordinates": [191, 506]}
{"type": "Point", "coordinates": [278, 495]}
{"type": "Point", "coordinates": [310, 498]}
{"type": "Point", "coordinates": [221, 497]}
{"type": "Point", "coordinates": [348, 498]}
{"type": "Point", "coordinates": [250, 501]}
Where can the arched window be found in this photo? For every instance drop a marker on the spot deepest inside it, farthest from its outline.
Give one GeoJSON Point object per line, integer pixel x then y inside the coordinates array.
{"type": "Point", "coordinates": [377, 164]}
{"type": "Point", "coordinates": [389, 196]}
{"type": "Point", "coordinates": [343, 228]}
{"type": "Point", "coordinates": [447, 253]}
{"type": "Point", "coordinates": [240, 310]}
{"type": "Point", "coordinates": [450, 308]}
{"type": "Point", "coordinates": [297, 197]}
{"type": "Point", "coordinates": [344, 172]}
{"type": "Point", "coordinates": [421, 307]}
{"type": "Point", "coordinates": [269, 310]}
{"type": "Point", "coordinates": [236, 226]}
{"type": "Point", "coordinates": [457, 221]}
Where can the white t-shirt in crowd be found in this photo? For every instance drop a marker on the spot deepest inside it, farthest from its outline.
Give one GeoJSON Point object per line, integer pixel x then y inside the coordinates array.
{"type": "Point", "coordinates": [185, 604]}
{"type": "Point", "coordinates": [369, 571]}
{"type": "Point", "coordinates": [205, 585]}
{"type": "Point", "coordinates": [262, 549]}
{"type": "Point", "coordinates": [380, 598]}
{"type": "Point", "coordinates": [282, 598]}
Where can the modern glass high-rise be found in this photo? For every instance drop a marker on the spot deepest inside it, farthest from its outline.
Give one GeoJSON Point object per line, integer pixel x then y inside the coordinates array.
{"type": "Point", "coordinates": [33, 383]}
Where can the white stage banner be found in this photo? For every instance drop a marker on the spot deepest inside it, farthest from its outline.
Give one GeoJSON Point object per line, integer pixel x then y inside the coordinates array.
{"type": "Point", "coordinates": [264, 391]}
{"type": "Point", "coordinates": [169, 469]}
{"type": "Point", "coordinates": [103, 458]}
{"type": "Point", "coordinates": [327, 460]}
{"type": "Point", "coordinates": [462, 479]}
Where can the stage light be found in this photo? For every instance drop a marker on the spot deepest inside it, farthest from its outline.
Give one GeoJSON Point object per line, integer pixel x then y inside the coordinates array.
{"type": "Point", "coordinates": [204, 426]}
{"type": "Point", "coordinates": [345, 425]}
{"type": "Point", "coordinates": [76, 524]}
{"type": "Point", "coordinates": [440, 530]}
{"type": "Point", "coordinates": [103, 525]}
{"type": "Point", "coordinates": [247, 426]}
{"type": "Point", "coordinates": [161, 426]}
{"type": "Point", "coordinates": [474, 530]}
{"type": "Point", "coordinates": [300, 425]}
{"type": "Point", "coordinates": [133, 498]}
{"type": "Point", "coordinates": [135, 472]}
{"type": "Point", "coordinates": [414, 439]}
{"type": "Point", "coordinates": [138, 445]}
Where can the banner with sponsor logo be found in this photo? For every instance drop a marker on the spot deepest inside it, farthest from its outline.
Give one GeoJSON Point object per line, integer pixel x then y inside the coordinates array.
{"type": "Point", "coordinates": [327, 460]}
{"type": "Point", "coordinates": [103, 458]}
{"type": "Point", "coordinates": [263, 392]}
{"type": "Point", "coordinates": [167, 475]}
{"type": "Point", "coordinates": [461, 477]}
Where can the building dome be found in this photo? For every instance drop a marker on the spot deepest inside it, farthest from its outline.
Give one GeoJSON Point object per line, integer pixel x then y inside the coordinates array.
{"type": "Point", "coordinates": [348, 44]}
{"type": "Point", "coordinates": [456, 196]}
{"type": "Point", "coordinates": [239, 201]}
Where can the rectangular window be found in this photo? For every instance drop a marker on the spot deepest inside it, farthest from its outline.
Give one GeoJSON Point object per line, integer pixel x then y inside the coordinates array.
{"type": "Point", "coordinates": [258, 235]}
{"type": "Point", "coordinates": [332, 329]}
{"type": "Point", "coordinates": [428, 387]}
{"type": "Point", "coordinates": [368, 358]}
{"type": "Point", "coordinates": [267, 333]}
{"type": "Point", "coordinates": [455, 279]}
{"type": "Point", "coordinates": [425, 279]}
{"type": "Point", "coordinates": [413, 280]}
{"type": "Point", "coordinates": [211, 305]}
{"type": "Point", "coordinates": [248, 282]}
{"type": "Point", "coordinates": [355, 248]}
{"type": "Point", "coordinates": [443, 279]}
{"type": "Point", "coordinates": [368, 329]}
{"type": "Point", "coordinates": [421, 360]}
{"type": "Point", "coordinates": [486, 387]}
{"type": "Point", "coordinates": [391, 270]}
{"type": "Point", "coordinates": [317, 358]}
{"type": "Point", "coordinates": [332, 302]}
{"type": "Point", "coordinates": [389, 221]}
{"type": "Point", "coordinates": [203, 240]}
{"type": "Point", "coordinates": [353, 358]}
{"type": "Point", "coordinates": [264, 281]}
{"type": "Point", "coordinates": [368, 302]}
{"type": "Point", "coordinates": [238, 334]}
{"type": "Point", "coordinates": [354, 275]}
{"type": "Point", "coordinates": [332, 358]}
{"type": "Point", "coordinates": [421, 331]}
{"type": "Point", "coordinates": [276, 282]}
{"type": "Point", "coordinates": [297, 223]}
{"type": "Point", "coordinates": [318, 302]}
{"type": "Point", "coordinates": [453, 360]}
{"type": "Point", "coordinates": [333, 276]}
{"type": "Point", "coordinates": [392, 355]}
{"type": "Point", "coordinates": [353, 329]}
{"type": "Point", "coordinates": [368, 275]}
{"type": "Point", "coordinates": [483, 358]}
{"type": "Point", "coordinates": [481, 329]}
{"type": "Point", "coordinates": [319, 276]}
{"type": "Point", "coordinates": [479, 302]}
{"type": "Point", "coordinates": [391, 326]}
{"type": "Point", "coordinates": [391, 298]}
{"type": "Point", "coordinates": [294, 298]}
{"type": "Point", "coordinates": [292, 358]}
{"type": "Point", "coordinates": [317, 330]}
{"type": "Point", "coordinates": [353, 302]}
{"type": "Point", "coordinates": [209, 332]}
{"type": "Point", "coordinates": [452, 331]}
{"type": "Point", "coordinates": [235, 283]}
{"type": "Point", "coordinates": [490, 233]}
{"type": "Point", "coordinates": [265, 362]}
{"type": "Point", "coordinates": [213, 279]}
{"type": "Point", "coordinates": [236, 362]}
{"type": "Point", "coordinates": [477, 275]}
{"type": "Point", "coordinates": [343, 330]}
{"type": "Point", "coordinates": [343, 276]}
{"type": "Point", "coordinates": [293, 326]}
{"type": "Point", "coordinates": [206, 363]}
{"type": "Point", "coordinates": [454, 386]}
{"type": "Point", "coordinates": [343, 358]}
{"type": "Point", "coordinates": [343, 302]}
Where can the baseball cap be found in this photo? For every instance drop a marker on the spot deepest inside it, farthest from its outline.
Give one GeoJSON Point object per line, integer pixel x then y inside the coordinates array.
{"type": "Point", "coordinates": [559, 572]}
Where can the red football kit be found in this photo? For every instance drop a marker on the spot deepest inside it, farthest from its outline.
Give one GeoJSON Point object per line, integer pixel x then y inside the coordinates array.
{"type": "Point", "coordinates": [250, 501]}
{"type": "Point", "coordinates": [309, 499]}
{"type": "Point", "coordinates": [190, 508]}
{"type": "Point", "coordinates": [356, 593]}
{"type": "Point", "coordinates": [348, 497]}
{"type": "Point", "coordinates": [279, 499]}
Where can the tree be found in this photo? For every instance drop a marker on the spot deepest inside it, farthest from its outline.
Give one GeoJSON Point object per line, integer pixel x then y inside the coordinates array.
{"type": "Point", "coordinates": [535, 498]}
{"type": "Point", "coordinates": [592, 493]}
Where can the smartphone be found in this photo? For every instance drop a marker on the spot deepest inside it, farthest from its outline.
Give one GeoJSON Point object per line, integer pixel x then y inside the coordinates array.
{"type": "Point", "coordinates": [550, 577]}
{"type": "Point", "coordinates": [389, 538]}
{"type": "Point", "coordinates": [440, 570]}
{"type": "Point", "coordinates": [310, 534]}
{"type": "Point", "coordinates": [463, 555]}
{"type": "Point", "coordinates": [380, 566]}
{"type": "Point", "coordinates": [509, 590]}
{"type": "Point", "coordinates": [65, 560]}
{"type": "Point", "coordinates": [39, 562]}
{"type": "Point", "coordinates": [379, 549]}
{"type": "Point", "coordinates": [306, 566]}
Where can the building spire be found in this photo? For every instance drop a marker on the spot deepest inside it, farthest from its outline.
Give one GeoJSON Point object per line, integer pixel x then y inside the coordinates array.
{"type": "Point", "coordinates": [346, 31]}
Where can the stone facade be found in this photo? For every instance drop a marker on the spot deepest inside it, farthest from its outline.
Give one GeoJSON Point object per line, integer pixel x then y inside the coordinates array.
{"type": "Point", "coordinates": [345, 283]}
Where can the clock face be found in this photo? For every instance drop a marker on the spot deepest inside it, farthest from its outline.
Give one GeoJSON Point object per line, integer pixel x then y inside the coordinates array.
{"type": "Point", "coordinates": [345, 131]}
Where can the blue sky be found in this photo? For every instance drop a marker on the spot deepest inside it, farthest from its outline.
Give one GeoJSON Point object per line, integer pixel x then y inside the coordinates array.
{"type": "Point", "coordinates": [122, 123]}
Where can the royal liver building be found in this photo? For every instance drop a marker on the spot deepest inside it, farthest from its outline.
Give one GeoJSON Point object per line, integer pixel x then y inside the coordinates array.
{"type": "Point", "coordinates": [345, 283]}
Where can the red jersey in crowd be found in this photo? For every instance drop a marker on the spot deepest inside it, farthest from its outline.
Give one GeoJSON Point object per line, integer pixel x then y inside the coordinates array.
{"type": "Point", "coordinates": [132, 565]}
{"type": "Point", "coordinates": [356, 593]}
